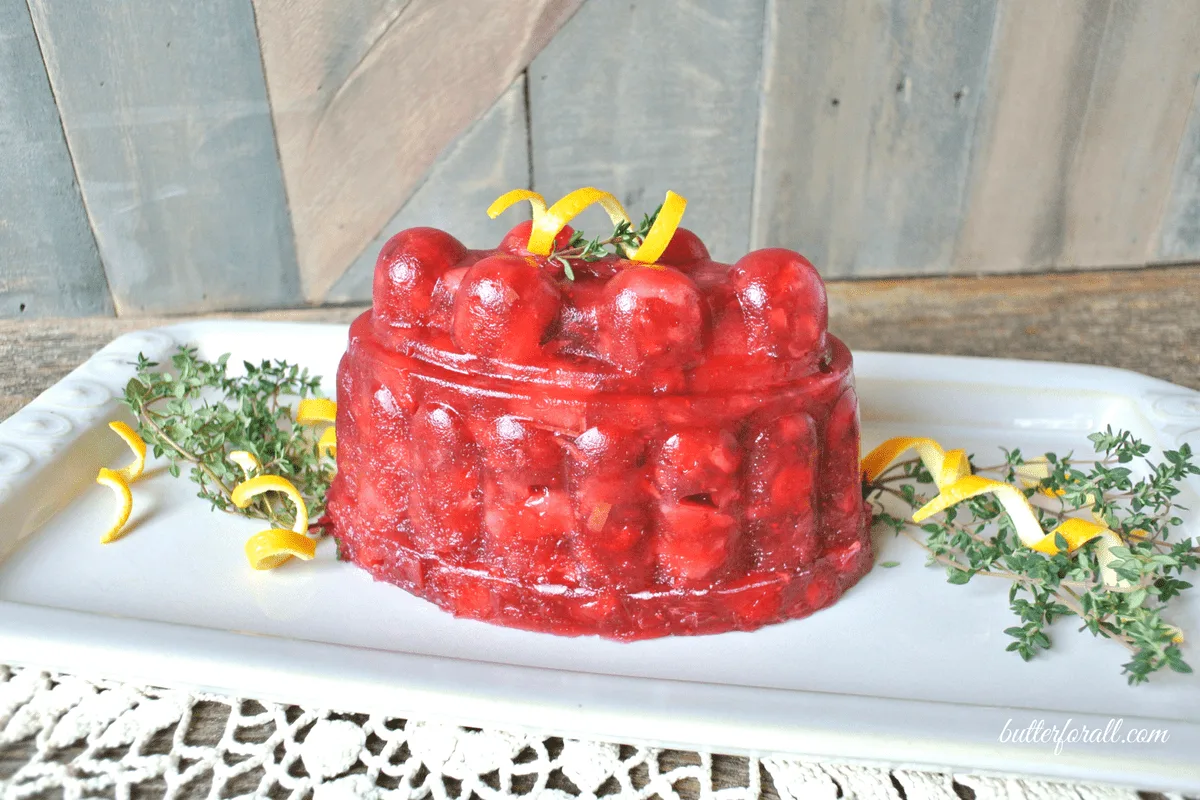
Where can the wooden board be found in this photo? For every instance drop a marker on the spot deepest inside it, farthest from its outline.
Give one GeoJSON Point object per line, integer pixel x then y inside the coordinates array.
{"type": "Point", "coordinates": [365, 98]}
{"type": "Point", "coordinates": [1034, 108]}
{"type": "Point", "coordinates": [1180, 236]}
{"type": "Point", "coordinates": [1146, 320]}
{"type": "Point", "coordinates": [49, 265]}
{"type": "Point", "coordinates": [640, 96]}
{"type": "Point", "coordinates": [490, 158]}
{"type": "Point", "coordinates": [165, 111]}
{"type": "Point", "coordinates": [869, 111]}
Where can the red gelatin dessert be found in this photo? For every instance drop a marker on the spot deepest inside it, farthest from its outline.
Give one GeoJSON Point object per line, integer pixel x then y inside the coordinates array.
{"type": "Point", "coordinates": [609, 447]}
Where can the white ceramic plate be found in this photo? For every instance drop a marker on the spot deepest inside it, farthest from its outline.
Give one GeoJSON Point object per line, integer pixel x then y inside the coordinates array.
{"type": "Point", "coordinates": [904, 670]}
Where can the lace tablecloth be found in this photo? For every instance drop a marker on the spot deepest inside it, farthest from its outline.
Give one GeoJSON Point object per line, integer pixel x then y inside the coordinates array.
{"type": "Point", "coordinates": [62, 735]}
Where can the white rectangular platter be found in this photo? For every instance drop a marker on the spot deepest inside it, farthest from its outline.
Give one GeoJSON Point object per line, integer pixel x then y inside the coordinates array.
{"type": "Point", "coordinates": [905, 670]}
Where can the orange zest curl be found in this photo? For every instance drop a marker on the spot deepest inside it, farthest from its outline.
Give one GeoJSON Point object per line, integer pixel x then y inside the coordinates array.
{"type": "Point", "coordinates": [662, 231]}
{"type": "Point", "coordinates": [951, 472]}
{"type": "Point", "coordinates": [116, 481]}
{"type": "Point", "coordinates": [548, 225]}
{"type": "Point", "coordinates": [134, 470]}
{"type": "Point", "coordinates": [269, 549]}
{"type": "Point", "coordinates": [549, 222]}
{"type": "Point", "coordinates": [315, 410]}
{"type": "Point", "coordinates": [509, 199]}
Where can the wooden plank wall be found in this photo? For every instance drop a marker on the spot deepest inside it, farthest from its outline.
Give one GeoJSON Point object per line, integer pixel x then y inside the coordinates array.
{"type": "Point", "coordinates": [1030, 128]}
{"type": "Point", "coordinates": [489, 159]}
{"type": "Point", "coordinates": [666, 101]}
{"type": "Point", "coordinates": [365, 99]}
{"type": "Point", "coordinates": [165, 111]}
{"type": "Point", "coordinates": [1083, 159]}
{"type": "Point", "coordinates": [1179, 240]}
{"type": "Point", "coordinates": [251, 153]}
{"type": "Point", "coordinates": [868, 121]}
{"type": "Point", "coordinates": [1137, 110]}
{"type": "Point", "coordinates": [48, 260]}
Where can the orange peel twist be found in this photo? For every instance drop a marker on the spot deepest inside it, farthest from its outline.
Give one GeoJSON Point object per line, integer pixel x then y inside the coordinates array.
{"type": "Point", "coordinates": [327, 444]}
{"type": "Point", "coordinates": [951, 472]}
{"type": "Point", "coordinates": [945, 467]}
{"type": "Point", "coordinates": [547, 225]}
{"type": "Point", "coordinates": [132, 471]}
{"type": "Point", "coordinates": [315, 410]}
{"type": "Point", "coordinates": [119, 479]}
{"type": "Point", "coordinates": [116, 481]}
{"type": "Point", "coordinates": [245, 492]}
{"type": "Point", "coordinates": [269, 549]}
{"type": "Point", "coordinates": [509, 199]}
{"type": "Point", "coordinates": [662, 231]}
{"type": "Point", "coordinates": [318, 410]}
{"type": "Point", "coordinates": [549, 222]}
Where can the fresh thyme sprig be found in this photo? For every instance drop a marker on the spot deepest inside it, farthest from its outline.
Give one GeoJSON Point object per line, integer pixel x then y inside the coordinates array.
{"type": "Point", "coordinates": [624, 239]}
{"type": "Point", "coordinates": [196, 413]}
{"type": "Point", "coordinates": [976, 537]}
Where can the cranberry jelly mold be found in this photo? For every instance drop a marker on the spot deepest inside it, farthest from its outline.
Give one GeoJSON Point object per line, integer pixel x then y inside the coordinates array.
{"type": "Point", "coordinates": [638, 452]}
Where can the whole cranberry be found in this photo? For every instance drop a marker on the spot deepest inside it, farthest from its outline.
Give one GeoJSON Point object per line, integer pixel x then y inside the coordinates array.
{"type": "Point", "coordinates": [441, 302]}
{"type": "Point", "coordinates": [783, 303]}
{"type": "Point", "coordinates": [694, 542]}
{"type": "Point", "coordinates": [699, 465]}
{"type": "Point", "coordinates": [406, 271]}
{"type": "Point", "coordinates": [684, 250]}
{"type": "Point", "coordinates": [606, 450]}
{"type": "Point", "coordinates": [651, 317]}
{"type": "Point", "coordinates": [520, 455]}
{"type": "Point", "coordinates": [503, 308]}
{"type": "Point", "coordinates": [516, 241]}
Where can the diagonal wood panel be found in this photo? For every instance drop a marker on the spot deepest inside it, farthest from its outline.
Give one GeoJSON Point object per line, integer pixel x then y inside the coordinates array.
{"type": "Point", "coordinates": [490, 158]}
{"type": "Point", "coordinates": [365, 98]}
{"type": "Point", "coordinates": [49, 265]}
{"type": "Point", "coordinates": [165, 111]}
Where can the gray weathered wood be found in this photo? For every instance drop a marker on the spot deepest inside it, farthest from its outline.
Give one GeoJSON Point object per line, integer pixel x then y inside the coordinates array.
{"type": "Point", "coordinates": [1137, 111]}
{"type": "Point", "coordinates": [1039, 81]}
{"type": "Point", "coordinates": [490, 158]}
{"type": "Point", "coordinates": [366, 95]}
{"type": "Point", "coordinates": [1180, 237]}
{"type": "Point", "coordinates": [48, 260]}
{"type": "Point", "coordinates": [868, 119]}
{"type": "Point", "coordinates": [641, 96]}
{"type": "Point", "coordinates": [165, 110]}
{"type": "Point", "coordinates": [1080, 134]}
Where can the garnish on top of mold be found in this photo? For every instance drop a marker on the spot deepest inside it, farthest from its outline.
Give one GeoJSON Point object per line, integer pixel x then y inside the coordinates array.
{"type": "Point", "coordinates": [644, 243]}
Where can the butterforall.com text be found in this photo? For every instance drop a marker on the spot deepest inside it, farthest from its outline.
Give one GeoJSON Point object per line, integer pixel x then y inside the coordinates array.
{"type": "Point", "coordinates": [1070, 732]}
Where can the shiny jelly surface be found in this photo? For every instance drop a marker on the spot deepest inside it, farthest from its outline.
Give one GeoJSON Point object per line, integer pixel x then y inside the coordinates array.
{"type": "Point", "coordinates": [639, 452]}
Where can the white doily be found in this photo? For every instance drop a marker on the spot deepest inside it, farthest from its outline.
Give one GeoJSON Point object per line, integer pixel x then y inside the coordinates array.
{"type": "Point", "coordinates": [62, 735]}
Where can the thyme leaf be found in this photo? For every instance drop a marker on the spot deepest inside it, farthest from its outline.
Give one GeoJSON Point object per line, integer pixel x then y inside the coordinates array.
{"type": "Point", "coordinates": [623, 241]}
